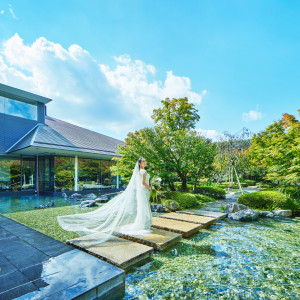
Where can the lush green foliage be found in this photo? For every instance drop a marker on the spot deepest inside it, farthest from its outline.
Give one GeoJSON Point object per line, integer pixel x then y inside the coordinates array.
{"type": "Point", "coordinates": [276, 151]}
{"type": "Point", "coordinates": [184, 200]}
{"type": "Point", "coordinates": [267, 199]}
{"type": "Point", "coordinates": [172, 148]}
{"type": "Point", "coordinates": [215, 192]}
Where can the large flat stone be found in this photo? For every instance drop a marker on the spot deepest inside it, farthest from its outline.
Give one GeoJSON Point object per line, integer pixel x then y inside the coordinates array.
{"type": "Point", "coordinates": [206, 221]}
{"type": "Point", "coordinates": [181, 227]}
{"type": "Point", "coordinates": [158, 239]}
{"type": "Point", "coordinates": [119, 252]}
{"type": "Point", "coordinates": [206, 213]}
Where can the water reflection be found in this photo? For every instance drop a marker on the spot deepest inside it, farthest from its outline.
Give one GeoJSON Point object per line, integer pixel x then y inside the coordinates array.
{"type": "Point", "coordinates": [231, 260]}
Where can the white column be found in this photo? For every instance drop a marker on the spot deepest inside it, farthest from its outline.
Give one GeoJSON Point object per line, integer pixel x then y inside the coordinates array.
{"type": "Point", "coordinates": [117, 181]}
{"type": "Point", "coordinates": [76, 174]}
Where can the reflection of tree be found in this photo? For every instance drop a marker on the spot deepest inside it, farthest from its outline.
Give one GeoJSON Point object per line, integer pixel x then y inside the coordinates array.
{"type": "Point", "coordinates": [64, 172]}
{"type": "Point", "coordinates": [10, 173]}
{"type": "Point", "coordinates": [88, 170]}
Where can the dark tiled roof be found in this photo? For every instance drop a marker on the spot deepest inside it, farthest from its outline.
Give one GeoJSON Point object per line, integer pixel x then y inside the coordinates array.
{"type": "Point", "coordinates": [57, 134]}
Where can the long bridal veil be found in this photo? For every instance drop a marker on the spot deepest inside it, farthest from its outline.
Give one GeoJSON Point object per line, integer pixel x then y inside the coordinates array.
{"type": "Point", "coordinates": [121, 212]}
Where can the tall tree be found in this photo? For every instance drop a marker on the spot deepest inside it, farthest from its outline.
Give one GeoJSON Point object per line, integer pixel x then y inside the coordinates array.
{"type": "Point", "coordinates": [167, 145]}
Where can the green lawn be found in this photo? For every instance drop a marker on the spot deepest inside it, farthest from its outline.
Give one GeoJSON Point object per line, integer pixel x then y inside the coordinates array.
{"type": "Point", "coordinates": [44, 220]}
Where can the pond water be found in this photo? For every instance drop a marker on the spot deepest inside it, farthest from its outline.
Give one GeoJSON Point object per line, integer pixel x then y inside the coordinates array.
{"type": "Point", "coordinates": [22, 203]}
{"type": "Point", "coordinates": [229, 260]}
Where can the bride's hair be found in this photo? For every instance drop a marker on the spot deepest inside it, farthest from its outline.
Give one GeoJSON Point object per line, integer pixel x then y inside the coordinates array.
{"type": "Point", "coordinates": [140, 160]}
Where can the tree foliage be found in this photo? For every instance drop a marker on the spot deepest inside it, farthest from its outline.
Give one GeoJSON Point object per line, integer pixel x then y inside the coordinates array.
{"type": "Point", "coordinates": [277, 151]}
{"type": "Point", "coordinates": [172, 148]}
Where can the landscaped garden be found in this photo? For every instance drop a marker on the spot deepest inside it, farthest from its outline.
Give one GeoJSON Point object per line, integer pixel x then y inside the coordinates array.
{"type": "Point", "coordinates": [251, 260]}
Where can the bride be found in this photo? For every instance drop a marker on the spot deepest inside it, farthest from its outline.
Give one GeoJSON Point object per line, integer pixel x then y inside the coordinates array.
{"type": "Point", "coordinates": [129, 212]}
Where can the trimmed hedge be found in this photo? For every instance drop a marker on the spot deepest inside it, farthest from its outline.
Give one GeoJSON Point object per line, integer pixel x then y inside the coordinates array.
{"type": "Point", "coordinates": [268, 200]}
{"type": "Point", "coordinates": [215, 192]}
{"type": "Point", "coordinates": [204, 198]}
{"type": "Point", "coordinates": [184, 200]}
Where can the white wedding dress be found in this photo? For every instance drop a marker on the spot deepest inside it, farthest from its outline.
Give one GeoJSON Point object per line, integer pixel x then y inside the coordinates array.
{"type": "Point", "coordinates": [128, 213]}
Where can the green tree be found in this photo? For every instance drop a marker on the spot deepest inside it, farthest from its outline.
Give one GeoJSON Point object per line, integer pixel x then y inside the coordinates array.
{"type": "Point", "coordinates": [277, 151]}
{"type": "Point", "coordinates": [167, 146]}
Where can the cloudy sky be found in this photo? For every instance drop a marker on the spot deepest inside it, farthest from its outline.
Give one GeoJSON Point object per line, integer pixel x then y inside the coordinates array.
{"type": "Point", "coordinates": [107, 64]}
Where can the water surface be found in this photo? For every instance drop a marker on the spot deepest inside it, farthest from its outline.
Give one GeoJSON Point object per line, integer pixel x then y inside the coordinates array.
{"type": "Point", "coordinates": [230, 260]}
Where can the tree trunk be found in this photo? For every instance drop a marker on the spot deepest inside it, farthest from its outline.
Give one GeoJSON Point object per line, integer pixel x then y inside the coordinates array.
{"type": "Point", "coordinates": [184, 186]}
{"type": "Point", "coordinates": [171, 186]}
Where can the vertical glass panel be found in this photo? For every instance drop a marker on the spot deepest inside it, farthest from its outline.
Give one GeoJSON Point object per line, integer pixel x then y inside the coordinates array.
{"type": "Point", "coordinates": [10, 174]}
{"type": "Point", "coordinates": [64, 173]}
{"type": "Point", "coordinates": [20, 109]}
{"type": "Point", "coordinates": [107, 179]}
{"type": "Point", "coordinates": [1, 104]}
{"type": "Point", "coordinates": [28, 173]}
{"type": "Point", "coordinates": [89, 174]}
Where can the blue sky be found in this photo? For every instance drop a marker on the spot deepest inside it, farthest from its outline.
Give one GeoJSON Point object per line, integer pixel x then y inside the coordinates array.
{"type": "Point", "coordinates": [238, 61]}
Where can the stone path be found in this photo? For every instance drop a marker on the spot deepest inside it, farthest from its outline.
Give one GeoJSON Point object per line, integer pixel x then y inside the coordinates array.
{"type": "Point", "coordinates": [35, 266]}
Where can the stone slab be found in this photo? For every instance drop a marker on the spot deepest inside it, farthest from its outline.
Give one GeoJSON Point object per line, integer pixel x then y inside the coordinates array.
{"type": "Point", "coordinates": [199, 212]}
{"type": "Point", "coordinates": [206, 221]}
{"type": "Point", "coordinates": [35, 266]}
{"type": "Point", "coordinates": [119, 252]}
{"type": "Point", "coordinates": [158, 239]}
{"type": "Point", "coordinates": [181, 227]}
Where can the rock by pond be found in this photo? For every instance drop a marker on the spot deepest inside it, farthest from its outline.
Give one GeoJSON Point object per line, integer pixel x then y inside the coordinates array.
{"type": "Point", "coordinates": [282, 212]}
{"type": "Point", "coordinates": [245, 215]}
{"type": "Point", "coordinates": [49, 204]}
{"type": "Point", "coordinates": [157, 208]}
{"type": "Point", "coordinates": [171, 205]}
{"type": "Point", "coordinates": [266, 214]}
{"type": "Point", "coordinates": [76, 196]}
{"type": "Point", "coordinates": [88, 203]}
{"type": "Point", "coordinates": [90, 196]}
{"type": "Point", "coordinates": [234, 207]}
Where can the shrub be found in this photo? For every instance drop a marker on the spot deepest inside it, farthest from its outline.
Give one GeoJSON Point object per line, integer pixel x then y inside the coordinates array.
{"type": "Point", "coordinates": [292, 191]}
{"type": "Point", "coordinates": [249, 182]}
{"type": "Point", "coordinates": [215, 192]}
{"type": "Point", "coordinates": [184, 200]}
{"type": "Point", "coordinates": [204, 198]}
{"type": "Point", "coordinates": [267, 200]}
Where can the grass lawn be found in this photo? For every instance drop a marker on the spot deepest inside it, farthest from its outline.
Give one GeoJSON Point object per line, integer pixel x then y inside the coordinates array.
{"type": "Point", "coordinates": [44, 220]}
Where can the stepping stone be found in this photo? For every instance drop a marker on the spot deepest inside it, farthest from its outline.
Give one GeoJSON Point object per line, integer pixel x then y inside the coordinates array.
{"type": "Point", "coordinates": [158, 239]}
{"type": "Point", "coordinates": [119, 252]}
{"type": "Point", "coordinates": [199, 212]}
{"type": "Point", "coordinates": [205, 221]}
{"type": "Point", "coordinates": [184, 228]}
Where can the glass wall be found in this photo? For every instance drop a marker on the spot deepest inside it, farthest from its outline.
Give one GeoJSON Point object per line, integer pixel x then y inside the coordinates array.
{"type": "Point", "coordinates": [95, 174]}
{"type": "Point", "coordinates": [28, 173]}
{"type": "Point", "coordinates": [18, 108]}
{"type": "Point", "coordinates": [10, 174]}
{"type": "Point", "coordinates": [64, 173]}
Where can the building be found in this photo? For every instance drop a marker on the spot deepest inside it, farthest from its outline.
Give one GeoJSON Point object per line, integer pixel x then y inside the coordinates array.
{"type": "Point", "coordinates": [44, 155]}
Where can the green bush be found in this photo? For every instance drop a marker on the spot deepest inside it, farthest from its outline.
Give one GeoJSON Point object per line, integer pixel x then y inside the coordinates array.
{"type": "Point", "coordinates": [292, 191]}
{"type": "Point", "coordinates": [249, 182]}
{"type": "Point", "coordinates": [204, 198]}
{"type": "Point", "coordinates": [184, 200]}
{"type": "Point", "coordinates": [215, 192]}
{"type": "Point", "coordinates": [268, 200]}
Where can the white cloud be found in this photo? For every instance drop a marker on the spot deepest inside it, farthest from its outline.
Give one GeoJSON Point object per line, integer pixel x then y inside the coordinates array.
{"type": "Point", "coordinates": [84, 91]}
{"type": "Point", "coordinates": [2, 12]}
{"type": "Point", "coordinates": [210, 134]}
{"type": "Point", "coordinates": [12, 13]}
{"type": "Point", "coordinates": [252, 115]}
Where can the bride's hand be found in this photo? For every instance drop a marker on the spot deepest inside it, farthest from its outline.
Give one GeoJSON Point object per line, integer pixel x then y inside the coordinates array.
{"type": "Point", "coordinates": [150, 189]}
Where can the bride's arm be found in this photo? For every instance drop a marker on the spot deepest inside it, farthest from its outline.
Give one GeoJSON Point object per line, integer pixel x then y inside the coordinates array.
{"type": "Point", "coordinates": [144, 182]}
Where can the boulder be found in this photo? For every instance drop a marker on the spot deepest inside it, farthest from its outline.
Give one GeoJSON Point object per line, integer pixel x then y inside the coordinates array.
{"type": "Point", "coordinates": [245, 215]}
{"type": "Point", "coordinates": [171, 205]}
{"type": "Point", "coordinates": [102, 199]}
{"type": "Point", "coordinates": [88, 203]}
{"type": "Point", "coordinates": [157, 208]}
{"type": "Point", "coordinates": [76, 196]}
{"type": "Point", "coordinates": [234, 207]}
{"type": "Point", "coordinates": [90, 196]}
{"type": "Point", "coordinates": [266, 214]}
{"type": "Point", "coordinates": [282, 212]}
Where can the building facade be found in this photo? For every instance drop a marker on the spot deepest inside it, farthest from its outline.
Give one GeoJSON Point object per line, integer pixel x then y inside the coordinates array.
{"type": "Point", "coordinates": [44, 155]}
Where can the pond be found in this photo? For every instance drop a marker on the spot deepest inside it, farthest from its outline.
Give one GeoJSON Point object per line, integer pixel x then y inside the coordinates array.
{"type": "Point", "coordinates": [230, 260]}
{"type": "Point", "coordinates": [23, 203]}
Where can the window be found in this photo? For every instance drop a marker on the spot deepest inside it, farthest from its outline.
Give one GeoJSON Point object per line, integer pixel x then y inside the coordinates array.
{"type": "Point", "coordinates": [18, 108]}
{"type": "Point", "coordinates": [10, 174]}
